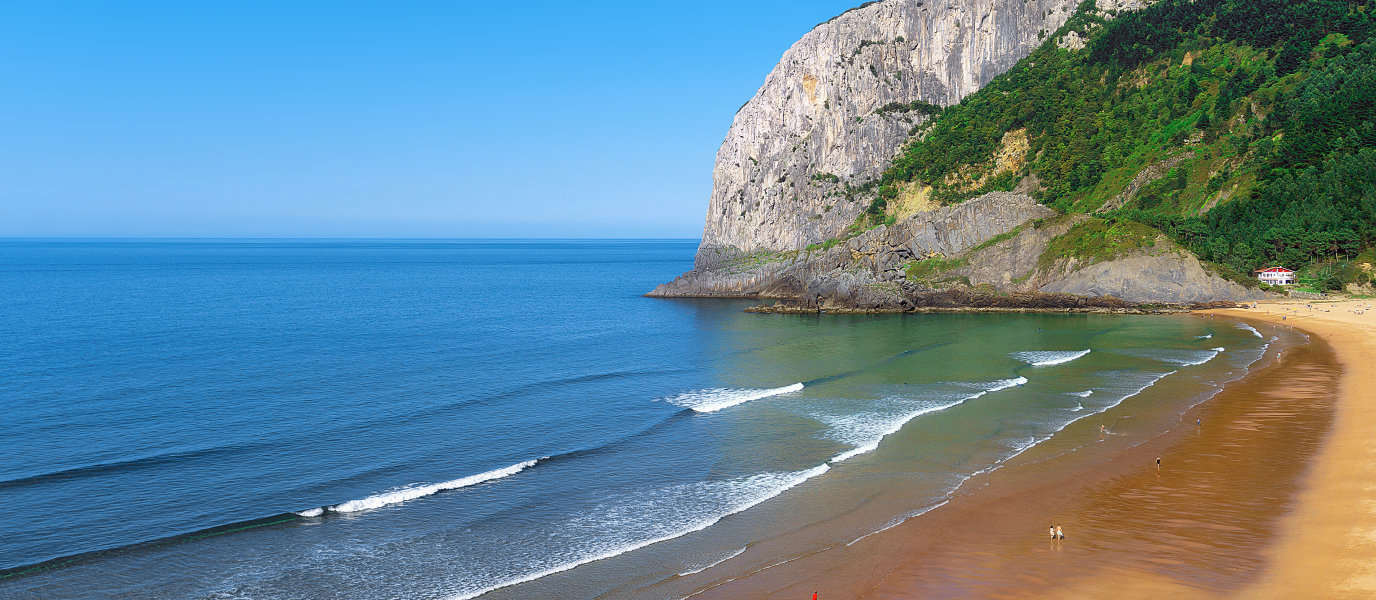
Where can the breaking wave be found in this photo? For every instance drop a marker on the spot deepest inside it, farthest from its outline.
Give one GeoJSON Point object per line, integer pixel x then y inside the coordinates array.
{"type": "Point", "coordinates": [645, 519]}
{"type": "Point", "coordinates": [1249, 328]}
{"type": "Point", "coordinates": [1182, 358]}
{"type": "Point", "coordinates": [712, 400]}
{"type": "Point", "coordinates": [1043, 358]}
{"type": "Point", "coordinates": [411, 493]}
{"type": "Point", "coordinates": [864, 431]}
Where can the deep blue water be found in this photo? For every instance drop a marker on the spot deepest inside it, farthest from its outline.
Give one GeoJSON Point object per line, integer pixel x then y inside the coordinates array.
{"type": "Point", "coordinates": [439, 419]}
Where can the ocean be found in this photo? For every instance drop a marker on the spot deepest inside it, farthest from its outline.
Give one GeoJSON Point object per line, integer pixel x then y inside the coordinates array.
{"type": "Point", "coordinates": [509, 419]}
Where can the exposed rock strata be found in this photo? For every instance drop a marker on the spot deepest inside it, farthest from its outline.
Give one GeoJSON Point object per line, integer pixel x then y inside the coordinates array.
{"type": "Point", "coordinates": [815, 114]}
{"type": "Point", "coordinates": [813, 128]}
{"type": "Point", "coordinates": [1172, 276]}
{"type": "Point", "coordinates": [849, 268]}
{"type": "Point", "coordinates": [992, 247]}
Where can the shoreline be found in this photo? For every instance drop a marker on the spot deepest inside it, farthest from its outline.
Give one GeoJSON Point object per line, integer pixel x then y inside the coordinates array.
{"type": "Point", "coordinates": [1329, 550]}
{"type": "Point", "coordinates": [974, 557]}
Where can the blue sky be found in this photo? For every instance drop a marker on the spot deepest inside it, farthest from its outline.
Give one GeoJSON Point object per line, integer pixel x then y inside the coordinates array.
{"type": "Point", "coordinates": [338, 119]}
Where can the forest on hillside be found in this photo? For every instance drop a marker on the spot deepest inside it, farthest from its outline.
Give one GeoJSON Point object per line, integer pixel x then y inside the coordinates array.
{"type": "Point", "coordinates": [1257, 116]}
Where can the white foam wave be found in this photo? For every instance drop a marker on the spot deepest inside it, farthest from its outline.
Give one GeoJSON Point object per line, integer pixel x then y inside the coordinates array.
{"type": "Point", "coordinates": [1249, 328]}
{"type": "Point", "coordinates": [1219, 349]}
{"type": "Point", "coordinates": [1183, 358]}
{"type": "Point", "coordinates": [411, 493]}
{"type": "Point", "coordinates": [866, 430]}
{"type": "Point", "coordinates": [1044, 358]}
{"type": "Point", "coordinates": [1084, 394]}
{"type": "Point", "coordinates": [653, 517]}
{"type": "Point", "coordinates": [1001, 384]}
{"type": "Point", "coordinates": [712, 400]}
{"type": "Point", "coordinates": [714, 563]}
{"type": "Point", "coordinates": [1078, 407]}
{"type": "Point", "coordinates": [1204, 337]}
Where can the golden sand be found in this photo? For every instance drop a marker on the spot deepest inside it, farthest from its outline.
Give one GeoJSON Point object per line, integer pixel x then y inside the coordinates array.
{"type": "Point", "coordinates": [1328, 545]}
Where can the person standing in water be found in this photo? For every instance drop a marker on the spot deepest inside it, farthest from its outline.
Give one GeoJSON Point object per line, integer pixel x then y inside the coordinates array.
{"type": "Point", "coordinates": [1052, 531]}
{"type": "Point", "coordinates": [1060, 533]}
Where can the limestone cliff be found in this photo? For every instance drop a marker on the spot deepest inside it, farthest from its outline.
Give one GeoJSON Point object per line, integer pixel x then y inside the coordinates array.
{"type": "Point", "coordinates": [850, 268]}
{"type": "Point", "coordinates": [815, 116]}
{"type": "Point", "coordinates": [832, 115]}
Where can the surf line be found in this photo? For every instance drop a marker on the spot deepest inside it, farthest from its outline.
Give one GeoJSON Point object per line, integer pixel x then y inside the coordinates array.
{"type": "Point", "coordinates": [792, 481]}
{"type": "Point", "coordinates": [713, 400]}
{"type": "Point", "coordinates": [1046, 358]}
{"type": "Point", "coordinates": [411, 493]}
{"type": "Point", "coordinates": [898, 424]}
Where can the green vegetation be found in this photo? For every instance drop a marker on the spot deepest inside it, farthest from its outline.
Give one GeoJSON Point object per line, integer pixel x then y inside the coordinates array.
{"type": "Point", "coordinates": [1097, 240]}
{"type": "Point", "coordinates": [1000, 238]}
{"type": "Point", "coordinates": [922, 270]}
{"type": "Point", "coordinates": [1245, 130]}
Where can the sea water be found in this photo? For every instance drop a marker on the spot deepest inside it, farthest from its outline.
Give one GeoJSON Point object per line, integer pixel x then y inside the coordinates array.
{"type": "Point", "coordinates": [456, 419]}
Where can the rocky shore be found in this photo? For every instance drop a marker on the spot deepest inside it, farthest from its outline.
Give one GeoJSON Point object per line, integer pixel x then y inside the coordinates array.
{"type": "Point", "coordinates": [956, 301]}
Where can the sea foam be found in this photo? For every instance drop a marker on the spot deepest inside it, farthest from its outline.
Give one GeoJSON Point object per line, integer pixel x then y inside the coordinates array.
{"type": "Point", "coordinates": [1249, 328]}
{"type": "Point", "coordinates": [866, 430]}
{"type": "Point", "coordinates": [712, 400]}
{"type": "Point", "coordinates": [1183, 358]}
{"type": "Point", "coordinates": [649, 518]}
{"type": "Point", "coordinates": [1045, 358]}
{"type": "Point", "coordinates": [412, 492]}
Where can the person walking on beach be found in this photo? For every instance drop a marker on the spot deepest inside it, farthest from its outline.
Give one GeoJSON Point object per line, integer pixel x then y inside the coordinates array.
{"type": "Point", "coordinates": [814, 595]}
{"type": "Point", "coordinates": [1052, 531]}
{"type": "Point", "coordinates": [1060, 533]}
{"type": "Point", "coordinates": [1158, 465]}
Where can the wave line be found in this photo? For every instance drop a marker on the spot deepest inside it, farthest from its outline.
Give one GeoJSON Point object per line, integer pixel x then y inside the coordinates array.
{"type": "Point", "coordinates": [715, 399]}
{"type": "Point", "coordinates": [411, 493]}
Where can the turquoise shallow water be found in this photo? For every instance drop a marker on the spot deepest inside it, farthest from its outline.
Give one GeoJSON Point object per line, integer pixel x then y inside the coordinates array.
{"type": "Point", "coordinates": [451, 419]}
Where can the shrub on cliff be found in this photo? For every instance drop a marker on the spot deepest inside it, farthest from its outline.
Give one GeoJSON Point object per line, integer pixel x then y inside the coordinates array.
{"type": "Point", "coordinates": [1263, 107]}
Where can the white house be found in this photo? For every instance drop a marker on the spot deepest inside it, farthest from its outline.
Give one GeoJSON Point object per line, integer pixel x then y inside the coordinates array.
{"type": "Point", "coordinates": [1276, 276]}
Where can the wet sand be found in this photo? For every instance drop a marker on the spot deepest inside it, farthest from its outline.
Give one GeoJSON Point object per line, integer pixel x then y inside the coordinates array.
{"type": "Point", "coordinates": [1236, 509]}
{"type": "Point", "coordinates": [1329, 549]}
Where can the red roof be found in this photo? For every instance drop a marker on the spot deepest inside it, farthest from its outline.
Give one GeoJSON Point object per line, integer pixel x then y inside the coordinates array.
{"type": "Point", "coordinates": [1275, 270]}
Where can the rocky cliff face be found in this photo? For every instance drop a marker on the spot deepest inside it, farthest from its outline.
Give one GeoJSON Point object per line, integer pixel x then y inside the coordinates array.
{"type": "Point", "coordinates": [851, 268]}
{"type": "Point", "coordinates": [777, 224]}
{"type": "Point", "coordinates": [1164, 273]}
{"type": "Point", "coordinates": [815, 116]}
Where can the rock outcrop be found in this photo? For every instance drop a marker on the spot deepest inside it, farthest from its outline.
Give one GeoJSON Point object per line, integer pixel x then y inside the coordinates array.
{"type": "Point", "coordinates": [813, 127]}
{"type": "Point", "coordinates": [992, 247]}
{"type": "Point", "coordinates": [831, 116]}
{"type": "Point", "coordinates": [1172, 277]}
{"type": "Point", "coordinates": [849, 267]}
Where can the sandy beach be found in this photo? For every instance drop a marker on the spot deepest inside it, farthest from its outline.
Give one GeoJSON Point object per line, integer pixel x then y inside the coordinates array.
{"type": "Point", "coordinates": [1329, 546]}
{"type": "Point", "coordinates": [1273, 495]}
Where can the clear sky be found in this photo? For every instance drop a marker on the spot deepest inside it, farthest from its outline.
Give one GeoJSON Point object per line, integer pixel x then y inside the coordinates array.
{"type": "Point", "coordinates": [386, 119]}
